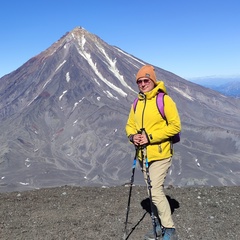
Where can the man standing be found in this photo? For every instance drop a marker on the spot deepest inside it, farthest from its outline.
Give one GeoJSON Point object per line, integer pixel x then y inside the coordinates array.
{"type": "Point", "coordinates": [150, 132]}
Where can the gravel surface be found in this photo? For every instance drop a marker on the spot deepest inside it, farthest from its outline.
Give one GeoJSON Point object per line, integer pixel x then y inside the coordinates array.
{"type": "Point", "coordinates": [99, 213]}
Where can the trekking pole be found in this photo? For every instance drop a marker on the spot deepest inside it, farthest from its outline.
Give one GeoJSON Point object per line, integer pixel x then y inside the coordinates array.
{"type": "Point", "coordinates": [150, 192]}
{"type": "Point", "coordinates": [130, 191]}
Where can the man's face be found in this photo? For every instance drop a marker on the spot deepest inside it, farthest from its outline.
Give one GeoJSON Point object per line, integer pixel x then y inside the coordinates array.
{"type": "Point", "coordinates": [145, 84]}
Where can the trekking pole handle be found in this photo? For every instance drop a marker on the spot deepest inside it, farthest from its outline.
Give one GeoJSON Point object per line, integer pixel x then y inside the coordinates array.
{"type": "Point", "coordinates": [143, 131]}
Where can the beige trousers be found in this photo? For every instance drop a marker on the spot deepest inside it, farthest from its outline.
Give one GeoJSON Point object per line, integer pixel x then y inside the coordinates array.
{"type": "Point", "coordinates": [158, 171]}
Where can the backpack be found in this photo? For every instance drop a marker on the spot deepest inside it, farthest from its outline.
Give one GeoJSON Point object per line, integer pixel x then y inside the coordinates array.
{"type": "Point", "coordinates": [160, 105]}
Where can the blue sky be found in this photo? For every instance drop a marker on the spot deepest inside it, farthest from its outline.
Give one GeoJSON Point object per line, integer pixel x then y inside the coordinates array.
{"type": "Point", "coordinates": [191, 38]}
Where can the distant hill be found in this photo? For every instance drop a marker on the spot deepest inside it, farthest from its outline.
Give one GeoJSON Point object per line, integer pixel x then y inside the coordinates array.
{"type": "Point", "coordinates": [227, 86]}
{"type": "Point", "coordinates": [229, 89]}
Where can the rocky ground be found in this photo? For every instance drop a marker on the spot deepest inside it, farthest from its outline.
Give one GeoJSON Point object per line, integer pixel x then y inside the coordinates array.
{"type": "Point", "coordinates": [99, 213]}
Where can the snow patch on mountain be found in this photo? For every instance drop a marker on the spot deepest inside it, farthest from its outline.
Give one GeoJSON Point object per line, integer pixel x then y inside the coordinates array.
{"type": "Point", "coordinates": [109, 95]}
{"type": "Point", "coordinates": [88, 58]}
{"type": "Point", "coordinates": [130, 56]}
{"type": "Point", "coordinates": [184, 94]}
{"type": "Point", "coordinates": [60, 65]}
{"type": "Point", "coordinates": [114, 69]}
{"type": "Point", "coordinates": [67, 77]}
{"type": "Point", "coordinates": [46, 83]}
{"type": "Point", "coordinates": [62, 95]}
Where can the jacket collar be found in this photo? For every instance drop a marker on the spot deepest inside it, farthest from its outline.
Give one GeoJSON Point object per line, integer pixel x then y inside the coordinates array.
{"type": "Point", "coordinates": [151, 94]}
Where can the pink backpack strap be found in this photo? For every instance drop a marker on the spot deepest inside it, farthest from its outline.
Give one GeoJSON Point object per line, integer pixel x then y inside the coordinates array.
{"type": "Point", "coordinates": [135, 104]}
{"type": "Point", "coordinates": [160, 104]}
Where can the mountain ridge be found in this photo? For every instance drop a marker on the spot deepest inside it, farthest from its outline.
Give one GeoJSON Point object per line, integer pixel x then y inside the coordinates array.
{"type": "Point", "coordinates": [229, 86]}
{"type": "Point", "coordinates": [231, 89]}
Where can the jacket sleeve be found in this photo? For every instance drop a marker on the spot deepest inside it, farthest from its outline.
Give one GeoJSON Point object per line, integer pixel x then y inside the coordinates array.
{"type": "Point", "coordinates": [173, 125]}
{"type": "Point", "coordinates": [131, 126]}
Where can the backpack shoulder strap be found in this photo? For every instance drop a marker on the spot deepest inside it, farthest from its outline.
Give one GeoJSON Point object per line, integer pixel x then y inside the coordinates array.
{"type": "Point", "coordinates": [160, 104]}
{"type": "Point", "coordinates": [135, 104]}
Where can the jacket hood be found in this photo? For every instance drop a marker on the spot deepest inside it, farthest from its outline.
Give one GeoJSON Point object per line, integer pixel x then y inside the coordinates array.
{"type": "Point", "coordinates": [161, 86]}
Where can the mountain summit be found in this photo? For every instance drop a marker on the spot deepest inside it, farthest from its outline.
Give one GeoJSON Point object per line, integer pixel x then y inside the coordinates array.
{"type": "Point", "coordinates": [63, 116]}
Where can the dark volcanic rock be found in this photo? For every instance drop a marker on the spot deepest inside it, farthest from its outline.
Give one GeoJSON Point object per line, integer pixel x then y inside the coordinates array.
{"type": "Point", "coordinates": [209, 213]}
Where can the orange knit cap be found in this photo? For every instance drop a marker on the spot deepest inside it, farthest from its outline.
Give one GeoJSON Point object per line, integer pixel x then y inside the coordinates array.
{"type": "Point", "coordinates": [147, 71]}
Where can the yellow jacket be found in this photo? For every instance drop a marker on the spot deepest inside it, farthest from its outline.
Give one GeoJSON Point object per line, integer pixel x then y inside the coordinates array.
{"type": "Point", "coordinates": [155, 126]}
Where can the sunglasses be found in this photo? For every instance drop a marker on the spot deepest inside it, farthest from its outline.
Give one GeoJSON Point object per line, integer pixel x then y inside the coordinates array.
{"type": "Point", "coordinates": [146, 81]}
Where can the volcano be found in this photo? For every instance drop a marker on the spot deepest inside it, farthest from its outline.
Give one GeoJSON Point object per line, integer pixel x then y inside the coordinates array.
{"type": "Point", "coordinates": [63, 116]}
